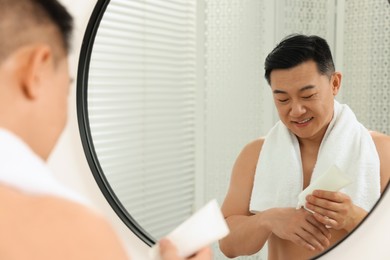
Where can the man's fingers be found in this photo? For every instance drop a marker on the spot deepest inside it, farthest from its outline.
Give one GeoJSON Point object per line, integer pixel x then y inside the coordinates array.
{"type": "Point", "coordinates": [167, 250]}
{"type": "Point", "coordinates": [307, 240]}
{"type": "Point", "coordinates": [328, 222]}
{"type": "Point", "coordinates": [315, 203]}
{"type": "Point", "coordinates": [330, 213]}
{"type": "Point", "coordinates": [203, 254]}
{"type": "Point", "coordinates": [319, 225]}
{"type": "Point", "coordinates": [329, 195]}
{"type": "Point", "coordinates": [314, 236]}
{"type": "Point", "coordinates": [304, 242]}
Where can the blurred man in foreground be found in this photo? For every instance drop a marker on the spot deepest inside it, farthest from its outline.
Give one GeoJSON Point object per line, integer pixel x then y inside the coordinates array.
{"type": "Point", "coordinates": [39, 217]}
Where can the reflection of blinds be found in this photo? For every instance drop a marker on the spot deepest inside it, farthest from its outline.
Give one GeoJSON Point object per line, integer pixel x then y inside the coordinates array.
{"type": "Point", "coordinates": [141, 100]}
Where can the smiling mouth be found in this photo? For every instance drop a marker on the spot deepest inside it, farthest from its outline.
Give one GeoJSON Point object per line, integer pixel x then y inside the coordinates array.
{"type": "Point", "coordinates": [303, 121]}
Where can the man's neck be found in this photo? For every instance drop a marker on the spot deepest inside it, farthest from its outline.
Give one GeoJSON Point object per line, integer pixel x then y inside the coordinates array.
{"type": "Point", "coordinates": [314, 142]}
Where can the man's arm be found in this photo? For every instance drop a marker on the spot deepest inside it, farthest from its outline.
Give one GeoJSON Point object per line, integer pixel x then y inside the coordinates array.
{"type": "Point", "coordinates": [382, 143]}
{"type": "Point", "coordinates": [235, 208]}
{"type": "Point", "coordinates": [336, 209]}
{"type": "Point", "coordinates": [249, 232]}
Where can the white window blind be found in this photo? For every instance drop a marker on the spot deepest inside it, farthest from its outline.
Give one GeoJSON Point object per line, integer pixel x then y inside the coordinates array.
{"type": "Point", "coordinates": [142, 108]}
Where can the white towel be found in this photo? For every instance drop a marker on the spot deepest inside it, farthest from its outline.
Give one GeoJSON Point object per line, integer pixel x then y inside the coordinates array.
{"type": "Point", "coordinates": [346, 144]}
{"type": "Point", "coordinates": [22, 169]}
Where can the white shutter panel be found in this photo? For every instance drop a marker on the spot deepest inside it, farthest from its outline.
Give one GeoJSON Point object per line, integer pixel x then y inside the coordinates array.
{"type": "Point", "coordinates": [141, 103]}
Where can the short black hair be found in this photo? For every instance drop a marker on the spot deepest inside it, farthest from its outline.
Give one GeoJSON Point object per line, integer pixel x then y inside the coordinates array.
{"type": "Point", "coordinates": [60, 17]}
{"type": "Point", "coordinates": [296, 49]}
{"type": "Point", "coordinates": [19, 18]}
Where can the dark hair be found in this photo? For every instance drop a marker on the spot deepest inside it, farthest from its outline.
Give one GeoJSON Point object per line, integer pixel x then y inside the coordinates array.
{"type": "Point", "coordinates": [60, 18]}
{"type": "Point", "coordinates": [19, 19]}
{"type": "Point", "coordinates": [296, 49]}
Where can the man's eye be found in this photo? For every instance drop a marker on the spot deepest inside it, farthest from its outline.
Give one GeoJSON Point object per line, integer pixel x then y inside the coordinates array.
{"type": "Point", "coordinates": [307, 97]}
{"type": "Point", "coordinates": [282, 100]}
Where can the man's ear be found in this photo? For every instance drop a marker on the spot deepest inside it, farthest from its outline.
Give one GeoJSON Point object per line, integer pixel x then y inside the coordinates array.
{"type": "Point", "coordinates": [336, 82]}
{"type": "Point", "coordinates": [38, 61]}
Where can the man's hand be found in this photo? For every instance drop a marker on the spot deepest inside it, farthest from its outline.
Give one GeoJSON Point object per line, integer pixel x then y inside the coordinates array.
{"type": "Point", "coordinates": [335, 210]}
{"type": "Point", "coordinates": [300, 227]}
{"type": "Point", "coordinates": [169, 252]}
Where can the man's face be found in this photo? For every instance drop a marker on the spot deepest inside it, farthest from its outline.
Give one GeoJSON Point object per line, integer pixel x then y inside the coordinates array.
{"type": "Point", "coordinates": [304, 99]}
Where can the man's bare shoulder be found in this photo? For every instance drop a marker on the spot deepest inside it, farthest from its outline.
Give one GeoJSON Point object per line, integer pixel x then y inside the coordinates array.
{"type": "Point", "coordinates": [253, 148]}
{"type": "Point", "coordinates": [382, 143]}
{"type": "Point", "coordinates": [246, 161]}
{"type": "Point", "coordinates": [380, 138]}
{"type": "Point", "coordinates": [49, 227]}
{"type": "Point", "coordinates": [238, 196]}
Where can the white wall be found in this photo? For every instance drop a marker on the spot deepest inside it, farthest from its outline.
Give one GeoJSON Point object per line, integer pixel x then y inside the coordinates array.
{"type": "Point", "coordinates": [69, 164]}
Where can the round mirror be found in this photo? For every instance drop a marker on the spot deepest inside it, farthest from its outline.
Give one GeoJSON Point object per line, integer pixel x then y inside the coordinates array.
{"type": "Point", "coordinates": [170, 91]}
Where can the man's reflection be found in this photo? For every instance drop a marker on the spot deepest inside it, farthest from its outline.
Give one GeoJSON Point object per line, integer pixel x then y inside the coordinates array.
{"type": "Point", "coordinates": [314, 133]}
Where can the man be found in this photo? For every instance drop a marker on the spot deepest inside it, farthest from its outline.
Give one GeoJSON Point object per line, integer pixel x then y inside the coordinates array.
{"type": "Point", "coordinates": [314, 133]}
{"type": "Point", "coordinates": [39, 217]}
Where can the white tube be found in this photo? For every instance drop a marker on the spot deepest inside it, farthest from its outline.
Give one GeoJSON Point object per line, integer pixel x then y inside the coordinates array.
{"type": "Point", "coordinates": [332, 180]}
{"type": "Point", "coordinates": [206, 226]}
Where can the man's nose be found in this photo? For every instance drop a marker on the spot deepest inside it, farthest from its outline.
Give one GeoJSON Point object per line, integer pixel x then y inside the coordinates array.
{"type": "Point", "coordinates": [297, 109]}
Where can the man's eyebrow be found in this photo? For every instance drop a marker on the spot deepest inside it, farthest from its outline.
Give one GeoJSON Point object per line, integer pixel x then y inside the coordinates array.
{"type": "Point", "coordinates": [306, 88]}
{"type": "Point", "coordinates": [278, 91]}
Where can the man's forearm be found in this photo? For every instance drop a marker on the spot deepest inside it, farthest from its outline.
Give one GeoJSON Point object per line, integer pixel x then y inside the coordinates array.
{"type": "Point", "coordinates": [358, 215]}
{"type": "Point", "coordinates": [248, 234]}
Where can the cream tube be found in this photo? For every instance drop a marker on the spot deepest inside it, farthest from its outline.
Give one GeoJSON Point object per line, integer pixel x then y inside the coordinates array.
{"type": "Point", "coordinates": [332, 180]}
{"type": "Point", "coordinates": [206, 226]}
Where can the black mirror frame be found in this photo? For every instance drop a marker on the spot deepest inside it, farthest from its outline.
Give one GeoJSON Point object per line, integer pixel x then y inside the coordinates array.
{"type": "Point", "coordinates": [84, 127]}
{"type": "Point", "coordinates": [87, 142]}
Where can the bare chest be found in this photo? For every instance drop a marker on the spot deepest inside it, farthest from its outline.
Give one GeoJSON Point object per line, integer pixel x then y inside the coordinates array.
{"type": "Point", "coordinates": [309, 159]}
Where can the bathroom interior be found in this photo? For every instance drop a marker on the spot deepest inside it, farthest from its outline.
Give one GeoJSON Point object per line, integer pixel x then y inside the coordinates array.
{"type": "Point", "coordinates": [175, 89]}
